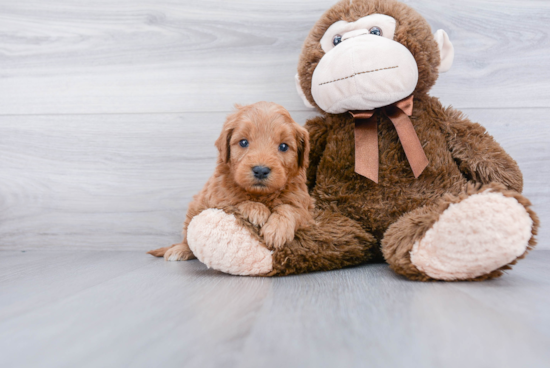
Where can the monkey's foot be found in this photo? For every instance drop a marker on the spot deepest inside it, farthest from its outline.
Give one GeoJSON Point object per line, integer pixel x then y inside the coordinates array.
{"type": "Point", "coordinates": [219, 242]}
{"type": "Point", "coordinates": [474, 237]}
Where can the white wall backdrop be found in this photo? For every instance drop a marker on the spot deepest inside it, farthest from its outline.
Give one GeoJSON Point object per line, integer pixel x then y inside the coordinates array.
{"type": "Point", "coordinates": [109, 109]}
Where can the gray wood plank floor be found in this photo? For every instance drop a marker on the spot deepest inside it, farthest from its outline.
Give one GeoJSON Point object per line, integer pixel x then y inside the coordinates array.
{"type": "Point", "coordinates": [127, 309]}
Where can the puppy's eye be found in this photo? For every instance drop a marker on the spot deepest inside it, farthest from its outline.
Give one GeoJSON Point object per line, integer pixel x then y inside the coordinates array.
{"type": "Point", "coordinates": [375, 31]}
{"type": "Point", "coordinates": [336, 40]}
{"type": "Point", "coordinates": [243, 143]}
{"type": "Point", "coordinates": [283, 147]}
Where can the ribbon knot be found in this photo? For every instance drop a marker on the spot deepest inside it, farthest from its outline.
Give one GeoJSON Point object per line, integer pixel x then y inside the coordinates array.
{"type": "Point", "coordinates": [366, 139]}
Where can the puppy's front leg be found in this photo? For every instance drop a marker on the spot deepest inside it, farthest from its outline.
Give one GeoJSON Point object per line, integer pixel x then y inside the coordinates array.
{"type": "Point", "coordinates": [255, 212]}
{"type": "Point", "coordinates": [280, 226]}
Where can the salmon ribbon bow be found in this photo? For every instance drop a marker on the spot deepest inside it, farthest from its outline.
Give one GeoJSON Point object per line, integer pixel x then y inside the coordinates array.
{"type": "Point", "coordinates": [366, 139]}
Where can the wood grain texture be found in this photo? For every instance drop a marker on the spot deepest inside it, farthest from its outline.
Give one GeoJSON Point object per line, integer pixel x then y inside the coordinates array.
{"type": "Point", "coordinates": [102, 181]}
{"type": "Point", "coordinates": [158, 56]}
{"type": "Point", "coordinates": [108, 110]}
{"type": "Point", "coordinates": [124, 181]}
{"type": "Point", "coordinates": [120, 309]}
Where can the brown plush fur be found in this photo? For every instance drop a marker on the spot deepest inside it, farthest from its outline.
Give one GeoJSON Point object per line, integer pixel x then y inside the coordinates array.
{"type": "Point", "coordinates": [463, 160]}
{"type": "Point", "coordinates": [448, 142]}
{"type": "Point", "coordinates": [277, 206]}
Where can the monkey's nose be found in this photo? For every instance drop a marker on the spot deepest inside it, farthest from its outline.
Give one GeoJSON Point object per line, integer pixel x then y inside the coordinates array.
{"type": "Point", "coordinates": [261, 172]}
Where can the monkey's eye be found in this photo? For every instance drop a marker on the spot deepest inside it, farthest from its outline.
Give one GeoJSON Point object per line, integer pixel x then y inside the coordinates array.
{"type": "Point", "coordinates": [375, 31]}
{"type": "Point", "coordinates": [283, 147]}
{"type": "Point", "coordinates": [243, 143]}
{"type": "Point", "coordinates": [337, 39]}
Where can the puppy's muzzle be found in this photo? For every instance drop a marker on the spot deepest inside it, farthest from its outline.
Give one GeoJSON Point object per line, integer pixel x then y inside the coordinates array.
{"type": "Point", "coordinates": [261, 172]}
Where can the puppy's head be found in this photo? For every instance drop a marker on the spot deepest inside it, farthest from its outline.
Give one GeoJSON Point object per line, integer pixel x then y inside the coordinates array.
{"type": "Point", "coordinates": [263, 147]}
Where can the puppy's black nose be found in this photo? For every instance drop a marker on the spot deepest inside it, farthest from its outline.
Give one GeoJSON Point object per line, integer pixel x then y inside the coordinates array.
{"type": "Point", "coordinates": [261, 172]}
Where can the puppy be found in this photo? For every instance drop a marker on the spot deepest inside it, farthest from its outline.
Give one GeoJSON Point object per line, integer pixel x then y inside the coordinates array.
{"type": "Point", "coordinates": [261, 171]}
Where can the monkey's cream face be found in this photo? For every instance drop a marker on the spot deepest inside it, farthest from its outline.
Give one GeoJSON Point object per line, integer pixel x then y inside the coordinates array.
{"type": "Point", "coordinates": [364, 68]}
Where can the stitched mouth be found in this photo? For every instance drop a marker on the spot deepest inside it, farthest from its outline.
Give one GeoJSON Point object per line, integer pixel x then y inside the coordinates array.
{"type": "Point", "coordinates": [365, 72]}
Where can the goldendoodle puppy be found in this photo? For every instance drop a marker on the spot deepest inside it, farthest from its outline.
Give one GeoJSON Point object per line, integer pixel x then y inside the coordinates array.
{"type": "Point", "coordinates": [261, 173]}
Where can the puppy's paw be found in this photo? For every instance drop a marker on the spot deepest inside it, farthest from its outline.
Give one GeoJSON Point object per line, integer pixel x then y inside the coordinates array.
{"type": "Point", "coordinates": [255, 212]}
{"type": "Point", "coordinates": [158, 252]}
{"type": "Point", "coordinates": [179, 252]}
{"type": "Point", "coordinates": [278, 231]}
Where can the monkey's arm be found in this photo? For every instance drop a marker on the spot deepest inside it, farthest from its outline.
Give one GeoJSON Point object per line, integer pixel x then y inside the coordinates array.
{"type": "Point", "coordinates": [318, 132]}
{"type": "Point", "coordinates": [479, 157]}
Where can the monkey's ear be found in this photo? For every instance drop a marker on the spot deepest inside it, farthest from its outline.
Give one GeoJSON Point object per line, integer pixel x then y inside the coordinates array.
{"type": "Point", "coordinates": [446, 50]}
{"type": "Point", "coordinates": [223, 143]}
{"type": "Point", "coordinates": [302, 140]}
{"type": "Point", "coordinates": [301, 93]}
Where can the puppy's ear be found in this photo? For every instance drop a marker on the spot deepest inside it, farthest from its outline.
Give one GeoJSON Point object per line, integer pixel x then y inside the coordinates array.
{"type": "Point", "coordinates": [223, 143]}
{"type": "Point", "coordinates": [302, 140]}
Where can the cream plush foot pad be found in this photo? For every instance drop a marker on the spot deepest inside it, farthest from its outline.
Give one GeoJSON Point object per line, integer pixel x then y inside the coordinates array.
{"type": "Point", "coordinates": [220, 243]}
{"type": "Point", "coordinates": [474, 237]}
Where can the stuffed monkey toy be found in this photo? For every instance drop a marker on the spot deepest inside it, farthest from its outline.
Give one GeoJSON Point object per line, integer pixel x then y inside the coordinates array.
{"type": "Point", "coordinates": [395, 176]}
